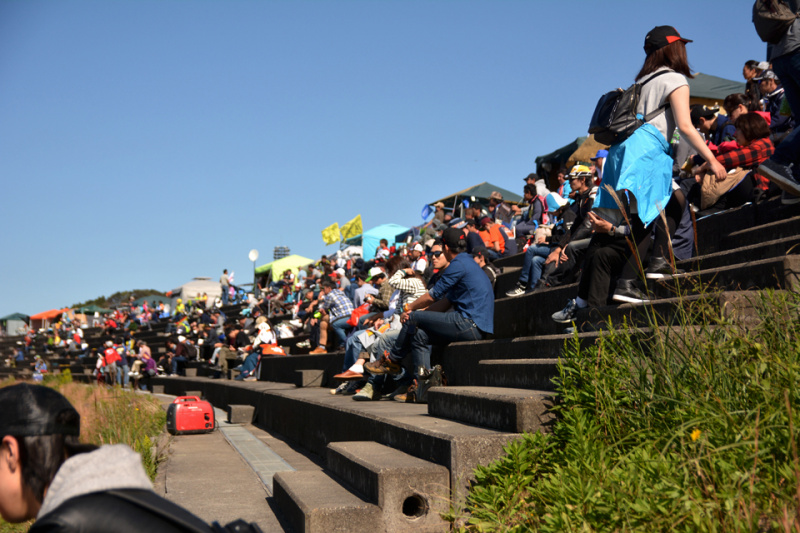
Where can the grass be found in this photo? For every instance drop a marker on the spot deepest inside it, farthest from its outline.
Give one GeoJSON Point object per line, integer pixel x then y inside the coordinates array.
{"type": "Point", "coordinates": [110, 416]}
{"type": "Point", "coordinates": [691, 427]}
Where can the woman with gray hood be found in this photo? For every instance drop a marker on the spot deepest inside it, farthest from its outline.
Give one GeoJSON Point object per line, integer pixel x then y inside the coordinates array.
{"type": "Point", "coordinates": [46, 473]}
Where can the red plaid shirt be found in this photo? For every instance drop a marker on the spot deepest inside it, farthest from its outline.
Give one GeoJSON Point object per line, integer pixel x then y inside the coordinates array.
{"type": "Point", "coordinates": [749, 156]}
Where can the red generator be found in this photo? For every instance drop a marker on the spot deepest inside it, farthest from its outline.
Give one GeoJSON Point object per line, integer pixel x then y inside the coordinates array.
{"type": "Point", "coordinates": [189, 414]}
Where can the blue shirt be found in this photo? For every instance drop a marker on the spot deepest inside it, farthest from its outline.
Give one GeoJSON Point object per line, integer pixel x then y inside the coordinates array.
{"type": "Point", "coordinates": [469, 290]}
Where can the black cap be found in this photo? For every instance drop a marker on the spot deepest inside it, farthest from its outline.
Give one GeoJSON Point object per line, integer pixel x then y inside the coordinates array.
{"type": "Point", "coordinates": [30, 410]}
{"type": "Point", "coordinates": [452, 236]}
{"type": "Point", "coordinates": [699, 111]}
{"type": "Point", "coordinates": [661, 36]}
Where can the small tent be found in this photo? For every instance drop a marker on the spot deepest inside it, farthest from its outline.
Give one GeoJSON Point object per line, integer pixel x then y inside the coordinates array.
{"type": "Point", "coordinates": [712, 90]}
{"type": "Point", "coordinates": [43, 319]}
{"type": "Point", "coordinates": [15, 323]}
{"type": "Point", "coordinates": [370, 239]}
{"type": "Point", "coordinates": [480, 192]}
{"type": "Point", "coordinates": [195, 288]}
{"type": "Point", "coordinates": [292, 262]}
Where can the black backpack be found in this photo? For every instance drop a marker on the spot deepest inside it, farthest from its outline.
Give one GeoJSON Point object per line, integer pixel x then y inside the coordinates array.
{"type": "Point", "coordinates": [615, 119]}
{"type": "Point", "coordinates": [772, 19]}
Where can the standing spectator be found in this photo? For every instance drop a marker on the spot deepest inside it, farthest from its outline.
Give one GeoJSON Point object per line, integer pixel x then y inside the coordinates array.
{"type": "Point", "coordinates": [785, 59]}
{"type": "Point", "coordinates": [498, 209]}
{"type": "Point", "coordinates": [225, 285]}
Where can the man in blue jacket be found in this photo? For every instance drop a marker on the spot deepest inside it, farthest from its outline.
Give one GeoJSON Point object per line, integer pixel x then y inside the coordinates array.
{"type": "Point", "coordinates": [462, 286]}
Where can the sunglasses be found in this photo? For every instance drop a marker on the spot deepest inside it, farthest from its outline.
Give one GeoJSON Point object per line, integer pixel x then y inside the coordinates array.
{"type": "Point", "coordinates": [437, 253]}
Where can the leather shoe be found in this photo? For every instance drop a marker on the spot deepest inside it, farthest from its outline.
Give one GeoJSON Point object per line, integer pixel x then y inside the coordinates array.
{"type": "Point", "coordinates": [348, 375]}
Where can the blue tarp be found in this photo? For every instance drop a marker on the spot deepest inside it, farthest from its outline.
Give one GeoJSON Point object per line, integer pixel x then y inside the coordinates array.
{"type": "Point", "coordinates": [371, 238]}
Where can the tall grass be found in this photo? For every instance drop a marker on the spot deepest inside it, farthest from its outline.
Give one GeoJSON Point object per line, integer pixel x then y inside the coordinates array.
{"type": "Point", "coordinates": [690, 425]}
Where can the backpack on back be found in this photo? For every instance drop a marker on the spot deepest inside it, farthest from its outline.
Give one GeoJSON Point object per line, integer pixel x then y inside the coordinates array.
{"type": "Point", "coordinates": [615, 119]}
{"type": "Point", "coordinates": [772, 19]}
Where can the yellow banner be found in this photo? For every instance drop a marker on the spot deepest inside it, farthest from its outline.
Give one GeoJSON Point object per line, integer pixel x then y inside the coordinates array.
{"type": "Point", "coordinates": [331, 234]}
{"type": "Point", "coordinates": [352, 228]}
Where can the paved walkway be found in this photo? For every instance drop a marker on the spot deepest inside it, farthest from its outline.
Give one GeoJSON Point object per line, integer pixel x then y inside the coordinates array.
{"type": "Point", "coordinates": [227, 474]}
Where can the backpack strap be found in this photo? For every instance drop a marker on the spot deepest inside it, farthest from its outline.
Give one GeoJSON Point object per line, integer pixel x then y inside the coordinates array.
{"type": "Point", "coordinates": [661, 109]}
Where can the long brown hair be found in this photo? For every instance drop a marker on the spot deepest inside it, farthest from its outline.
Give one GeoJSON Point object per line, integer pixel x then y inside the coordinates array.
{"type": "Point", "coordinates": [672, 56]}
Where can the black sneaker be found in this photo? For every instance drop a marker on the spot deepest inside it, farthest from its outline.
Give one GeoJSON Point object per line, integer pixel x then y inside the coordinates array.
{"type": "Point", "coordinates": [780, 175]}
{"type": "Point", "coordinates": [518, 290]}
{"type": "Point", "coordinates": [789, 199]}
{"type": "Point", "coordinates": [628, 292]}
{"type": "Point", "coordinates": [660, 268]}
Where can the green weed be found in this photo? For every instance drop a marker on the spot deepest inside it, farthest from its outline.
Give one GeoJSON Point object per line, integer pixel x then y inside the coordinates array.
{"type": "Point", "coordinates": [689, 425]}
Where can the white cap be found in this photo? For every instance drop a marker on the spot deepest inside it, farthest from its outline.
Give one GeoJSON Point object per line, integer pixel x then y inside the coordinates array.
{"type": "Point", "coordinates": [417, 248]}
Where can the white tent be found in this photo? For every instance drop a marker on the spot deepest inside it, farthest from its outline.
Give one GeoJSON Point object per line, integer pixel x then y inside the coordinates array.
{"type": "Point", "coordinates": [195, 288]}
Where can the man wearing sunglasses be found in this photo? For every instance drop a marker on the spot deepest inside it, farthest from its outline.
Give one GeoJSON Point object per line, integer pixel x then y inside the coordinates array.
{"type": "Point", "coordinates": [462, 286]}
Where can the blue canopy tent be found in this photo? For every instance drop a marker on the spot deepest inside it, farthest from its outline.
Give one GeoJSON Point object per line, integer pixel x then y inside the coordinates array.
{"type": "Point", "coordinates": [370, 239]}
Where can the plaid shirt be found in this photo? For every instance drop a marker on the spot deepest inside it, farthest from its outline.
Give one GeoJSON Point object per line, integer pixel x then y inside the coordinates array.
{"type": "Point", "coordinates": [337, 304]}
{"type": "Point", "coordinates": [749, 156]}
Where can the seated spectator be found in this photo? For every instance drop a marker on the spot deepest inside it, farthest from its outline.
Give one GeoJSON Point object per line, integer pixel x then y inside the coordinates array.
{"type": "Point", "coordinates": [598, 161]}
{"type": "Point", "coordinates": [336, 309]}
{"type": "Point", "coordinates": [498, 209]}
{"type": "Point", "coordinates": [382, 253]}
{"type": "Point", "coordinates": [418, 261]}
{"type": "Point", "coordinates": [492, 238]}
{"type": "Point", "coordinates": [491, 271]}
{"type": "Point", "coordinates": [750, 71]}
{"type": "Point", "coordinates": [462, 286]}
{"type": "Point", "coordinates": [531, 217]}
{"type": "Point", "coordinates": [780, 125]}
{"type": "Point", "coordinates": [716, 128]}
{"type": "Point", "coordinates": [752, 135]}
{"type": "Point", "coordinates": [473, 235]}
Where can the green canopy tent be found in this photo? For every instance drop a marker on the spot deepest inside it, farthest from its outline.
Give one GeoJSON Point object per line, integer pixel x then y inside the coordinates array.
{"type": "Point", "coordinates": [712, 90]}
{"type": "Point", "coordinates": [279, 266]}
{"type": "Point", "coordinates": [91, 309]}
{"type": "Point", "coordinates": [481, 194]}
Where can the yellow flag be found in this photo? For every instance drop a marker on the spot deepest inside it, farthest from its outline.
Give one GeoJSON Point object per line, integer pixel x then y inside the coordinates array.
{"type": "Point", "coordinates": [331, 234]}
{"type": "Point", "coordinates": [352, 228]}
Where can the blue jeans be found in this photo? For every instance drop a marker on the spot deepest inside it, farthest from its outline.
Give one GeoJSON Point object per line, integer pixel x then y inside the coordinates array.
{"type": "Point", "coordinates": [787, 69]}
{"type": "Point", "coordinates": [225, 294]}
{"type": "Point", "coordinates": [340, 328]}
{"type": "Point", "coordinates": [424, 328]}
{"type": "Point", "coordinates": [175, 360]}
{"type": "Point", "coordinates": [352, 348]}
{"type": "Point", "coordinates": [249, 366]}
{"type": "Point", "coordinates": [533, 264]}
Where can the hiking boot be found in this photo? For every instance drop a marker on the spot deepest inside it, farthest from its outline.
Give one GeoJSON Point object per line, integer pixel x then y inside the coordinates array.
{"type": "Point", "coordinates": [568, 314]}
{"type": "Point", "coordinates": [383, 366]}
{"type": "Point", "coordinates": [318, 350]}
{"type": "Point", "coordinates": [789, 199]}
{"type": "Point", "coordinates": [408, 394]}
{"type": "Point", "coordinates": [402, 389]}
{"type": "Point", "coordinates": [366, 394]}
{"type": "Point", "coordinates": [518, 290]}
{"type": "Point", "coordinates": [660, 268]}
{"type": "Point", "coordinates": [628, 292]}
{"type": "Point", "coordinates": [780, 175]}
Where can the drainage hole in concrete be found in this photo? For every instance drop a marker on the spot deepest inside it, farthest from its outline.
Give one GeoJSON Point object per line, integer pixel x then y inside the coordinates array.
{"type": "Point", "coordinates": [414, 506]}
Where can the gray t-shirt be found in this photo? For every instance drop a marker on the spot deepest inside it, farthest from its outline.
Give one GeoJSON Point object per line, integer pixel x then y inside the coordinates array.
{"type": "Point", "coordinates": [791, 41]}
{"type": "Point", "coordinates": [655, 94]}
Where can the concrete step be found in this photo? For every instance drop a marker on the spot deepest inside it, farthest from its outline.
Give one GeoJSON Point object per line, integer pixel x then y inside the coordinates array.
{"type": "Point", "coordinates": [773, 273]}
{"type": "Point", "coordinates": [312, 502]}
{"type": "Point", "coordinates": [511, 261]}
{"type": "Point", "coordinates": [772, 231]}
{"type": "Point", "coordinates": [411, 492]}
{"type": "Point", "coordinates": [504, 409]}
{"type": "Point", "coordinates": [760, 250]}
{"type": "Point", "coordinates": [506, 281]}
{"type": "Point", "coordinates": [534, 374]}
{"type": "Point", "coordinates": [284, 369]}
{"type": "Point", "coordinates": [313, 418]}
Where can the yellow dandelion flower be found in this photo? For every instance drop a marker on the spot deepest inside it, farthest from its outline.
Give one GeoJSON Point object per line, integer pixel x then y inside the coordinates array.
{"type": "Point", "coordinates": [696, 434]}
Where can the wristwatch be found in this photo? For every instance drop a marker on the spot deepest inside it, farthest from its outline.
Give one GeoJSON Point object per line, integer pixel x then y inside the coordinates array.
{"type": "Point", "coordinates": [612, 230]}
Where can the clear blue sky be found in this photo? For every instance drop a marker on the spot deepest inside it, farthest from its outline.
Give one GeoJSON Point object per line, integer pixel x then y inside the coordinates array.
{"type": "Point", "coordinates": [145, 143]}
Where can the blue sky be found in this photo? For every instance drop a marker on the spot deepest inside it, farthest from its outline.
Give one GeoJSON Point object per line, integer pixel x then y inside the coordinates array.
{"type": "Point", "coordinates": [145, 143]}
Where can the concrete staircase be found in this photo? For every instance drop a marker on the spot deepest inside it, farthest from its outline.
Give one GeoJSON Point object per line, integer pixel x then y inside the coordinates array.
{"type": "Point", "coordinates": [395, 467]}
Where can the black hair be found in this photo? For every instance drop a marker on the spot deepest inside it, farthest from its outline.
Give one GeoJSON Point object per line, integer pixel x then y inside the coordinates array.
{"type": "Point", "coordinates": [752, 64]}
{"type": "Point", "coordinates": [460, 248]}
{"type": "Point", "coordinates": [328, 283]}
{"type": "Point", "coordinates": [734, 100]}
{"type": "Point", "coordinates": [41, 456]}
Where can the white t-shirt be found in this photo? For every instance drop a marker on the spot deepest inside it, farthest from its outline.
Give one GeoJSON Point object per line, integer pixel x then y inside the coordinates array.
{"type": "Point", "coordinates": [655, 94]}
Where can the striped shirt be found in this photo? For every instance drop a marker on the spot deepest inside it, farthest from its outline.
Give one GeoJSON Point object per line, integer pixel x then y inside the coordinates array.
{"type": "Point", "coordinates": [410, 288]}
